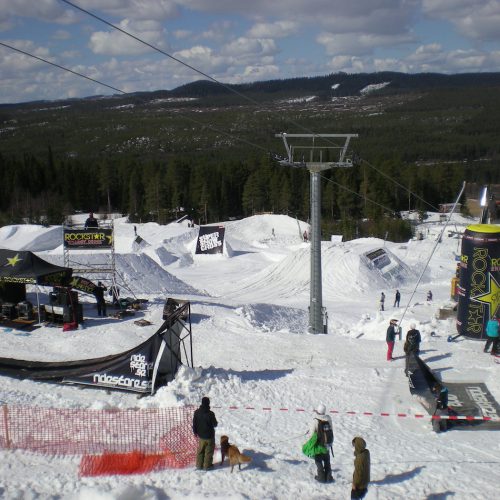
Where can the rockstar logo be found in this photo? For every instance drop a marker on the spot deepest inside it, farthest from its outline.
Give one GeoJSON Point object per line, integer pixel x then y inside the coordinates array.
{"type": "Point", "coordinates": [74, 282]}
{"type": "Point", "coordinates": [13, 260]}
{"type": "Point", "coordinates": [492, 297]}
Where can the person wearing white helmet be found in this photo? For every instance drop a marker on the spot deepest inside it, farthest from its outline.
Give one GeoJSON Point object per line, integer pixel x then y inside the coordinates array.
{"type": "Point", "coordinates": [412, 345]}
{"type": "Point", "coordinates": [322, 425]}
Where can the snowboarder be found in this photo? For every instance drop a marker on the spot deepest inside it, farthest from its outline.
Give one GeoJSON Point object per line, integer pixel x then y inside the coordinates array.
{"type": "Point", "coordinates": [361, 474]}
{"type": "Point", "coordinates": [99, 296]}
{"type": "Point", "coordinates": [412, 344]}
{"type": "Point", "coordinates": [382, 301]}
{"type": "Point", "coordinates": [317, 446]}
{"type": "Point", "coordinates": [91, 222]}
{"type": "Point", "coordinates": [390, 338]}
{"type": "Point", "coordinates": [429, 296]}
{"type": "Point", "coordinates": [441, 394]}
{"type": "Point", "coordinates": [204, 424]}
{"type": "Point", "coordinates": [397, 298]}
{"type": "Point", "coordinates": [492, 334]}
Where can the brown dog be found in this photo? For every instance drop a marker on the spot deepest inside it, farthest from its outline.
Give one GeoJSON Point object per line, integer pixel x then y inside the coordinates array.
{"type": "Point", "coordinates": [232, 452]}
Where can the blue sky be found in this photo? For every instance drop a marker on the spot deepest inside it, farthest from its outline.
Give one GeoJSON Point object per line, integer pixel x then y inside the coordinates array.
{"type": "Point", "coordinates": [236, 41]}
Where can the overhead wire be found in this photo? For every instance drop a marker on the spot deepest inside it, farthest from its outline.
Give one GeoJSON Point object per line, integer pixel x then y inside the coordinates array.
{"type": "Point", "coordinates": [196, 70]}
{"type": "Point", "coordinates": [229, 88]}
{"type": "Point", "coordinates": [61, 67]}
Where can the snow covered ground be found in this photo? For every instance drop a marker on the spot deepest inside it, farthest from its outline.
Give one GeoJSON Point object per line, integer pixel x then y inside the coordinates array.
{"type": "Point", "coordinates": [251, 348]}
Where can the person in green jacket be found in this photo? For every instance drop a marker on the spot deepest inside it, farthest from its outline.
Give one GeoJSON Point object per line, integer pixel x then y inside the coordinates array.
{"type": "Point", "coordinates": [361, 475]}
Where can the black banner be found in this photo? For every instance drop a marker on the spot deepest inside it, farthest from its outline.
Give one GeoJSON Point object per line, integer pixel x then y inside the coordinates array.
{"type": "Point", "coordinates": [88, 238]}
{"type": "Point", "coordinates": [82, 284]}
{"type": "Point", "coordinates": [479, 286]}
{"type": "Point", "coordinates": [140, 369]}
{"type": "Point", "coordinates": [465, 399]}
{"type": "Point", "coordinates": [210, 240]}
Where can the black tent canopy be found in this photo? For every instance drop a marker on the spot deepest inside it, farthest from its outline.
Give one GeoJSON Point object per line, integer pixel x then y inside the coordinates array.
{"type": "Point", "coordinates": [26, 267]}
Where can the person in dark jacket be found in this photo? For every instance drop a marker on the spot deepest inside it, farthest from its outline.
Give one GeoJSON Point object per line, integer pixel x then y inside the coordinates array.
{"type": "Point", "coordinates": [204, 424]}
{"type": "Point", "coordinates": [441, 394]}
{"type": "Point", "coordinates": [91, 222]}
{"type": "Point", "coordinates": [412, 344]}
{"type": "Point", "coordinates": [99, 296]}
{"type": "Point", "coordinates": [390, 338]}
{"type": "Point", "coordinates": [397, 298]}
{"type": "Point", "coordinates": [361, 475]}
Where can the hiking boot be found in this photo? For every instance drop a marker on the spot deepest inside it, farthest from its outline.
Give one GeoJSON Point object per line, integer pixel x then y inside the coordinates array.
{"type": "Point", "coordinates": [320, 479]}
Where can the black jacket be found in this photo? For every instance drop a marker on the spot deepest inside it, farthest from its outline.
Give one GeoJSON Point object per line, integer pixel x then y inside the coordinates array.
{"type": "Point", "coordinates": [204, 423]}
{"type": "Point", "coordinates": [99, 293]}
{"type": "Point", "coordinates": [391, 334]}
{"type": "Point", "coordinates": [413, 340]}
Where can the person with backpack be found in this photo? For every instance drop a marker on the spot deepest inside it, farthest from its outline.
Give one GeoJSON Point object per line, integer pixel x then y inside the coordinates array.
{"type": "Point", "coordinates": [361, 474]}
{"type": "Point", "coordinates": [412, 344]}
{"type": "Point", "coordinates": [320, 444]}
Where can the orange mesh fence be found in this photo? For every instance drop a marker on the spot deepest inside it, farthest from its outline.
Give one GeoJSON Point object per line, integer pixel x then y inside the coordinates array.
{"type": "Point", "coordinates": [152, 438]}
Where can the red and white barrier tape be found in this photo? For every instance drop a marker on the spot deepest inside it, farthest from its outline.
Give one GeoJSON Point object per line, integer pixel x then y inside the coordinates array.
{"type": "Point", "coordinates": [368, 413]}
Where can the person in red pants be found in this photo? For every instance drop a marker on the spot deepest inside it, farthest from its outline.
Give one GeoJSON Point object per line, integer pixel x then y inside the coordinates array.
{"type": "Point", "coordinates": [390, 338]}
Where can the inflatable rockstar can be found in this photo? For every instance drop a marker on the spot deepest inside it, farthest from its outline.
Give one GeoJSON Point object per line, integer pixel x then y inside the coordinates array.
{"type": "Point", "coordinates": [479, 286]}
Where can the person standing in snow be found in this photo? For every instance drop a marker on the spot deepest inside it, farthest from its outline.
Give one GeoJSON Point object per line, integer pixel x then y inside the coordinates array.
{"type": "Point", "coordinates": [382, 301]}
{"type": "Point", "coordinates": [492, 334]}
{"type": "Point", "coordinates": [441, 394]}
{"type": "Point", "coordinates": [361, 474]}
{"type": "Point", "coordinates": [321, 458]}
{"type": "Point", "coordinates": [390, 338]}
{"type": "Point", "coordinates": [397, 298]}
{"type": "Point", "coordinates": [204, 424]}
{"type": "Point", "coordinates": [412, 344]}
{"type": "Point", "coordinates": [429, 296]}
{"type": "Point", "coordinates": [99, 296]}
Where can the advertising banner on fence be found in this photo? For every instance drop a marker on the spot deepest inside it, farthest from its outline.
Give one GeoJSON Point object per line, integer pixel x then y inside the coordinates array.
{"type": "Point", "coordinates": [210, 240]}
{"type": "Point", "coordinates": [140, 369]}
{"type": "Point", "coordinates": [479, 286]}
{"type": "Point", "coordinates": [90, 239]}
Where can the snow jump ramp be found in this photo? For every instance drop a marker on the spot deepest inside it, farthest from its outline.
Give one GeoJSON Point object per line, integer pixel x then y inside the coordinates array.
{"type": "Point", "coordinates": [471, 400]}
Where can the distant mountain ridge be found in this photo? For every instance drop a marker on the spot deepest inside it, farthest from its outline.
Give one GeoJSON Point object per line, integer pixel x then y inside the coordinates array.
{"type": "Point", "coordinates": [334, 84]}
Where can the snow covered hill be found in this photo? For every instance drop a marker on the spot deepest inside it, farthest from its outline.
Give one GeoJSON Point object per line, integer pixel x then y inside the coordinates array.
{"type": "Point", "coordinates": [251, 349]}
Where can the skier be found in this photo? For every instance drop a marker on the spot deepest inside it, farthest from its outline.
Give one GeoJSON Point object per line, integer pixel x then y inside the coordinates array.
{"type": "Point", "coordinates": [382, 300]}
{"type": "Point", "coordinates": [397, 298]}
{"type": "Point", "coordinates": [412, 344]}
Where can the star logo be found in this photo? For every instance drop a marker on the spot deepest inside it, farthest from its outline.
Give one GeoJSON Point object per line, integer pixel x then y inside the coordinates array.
{"type": "Point", "coordinates": [110, 239]}
{"type": "Point", "coordinates": [13, 260]}
{"type": "Point", "coordinates": [74, 282]}
{"type": "Point", "coordinates": [492, 297]}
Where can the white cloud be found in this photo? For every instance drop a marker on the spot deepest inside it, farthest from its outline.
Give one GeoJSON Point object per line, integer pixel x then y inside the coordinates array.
{"type": "Point", "coordinates": [358, 44]}
{"type": "Point", "coordinates": [46, 10]}
{"type": "Point", "coordinates": [116, 43]}
{"type": "Point", "coordinates": [475, 19]}
{"type": "Point", "coordinates": [278, 29]}
{"type": "Point", "coordinates": [250, 47]}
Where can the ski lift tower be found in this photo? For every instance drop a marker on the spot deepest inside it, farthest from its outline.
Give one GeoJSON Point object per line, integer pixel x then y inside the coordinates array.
{"type": "Point", "coordinates": [320, 151]}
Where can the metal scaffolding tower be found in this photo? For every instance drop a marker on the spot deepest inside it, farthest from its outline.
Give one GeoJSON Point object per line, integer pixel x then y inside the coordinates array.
{"type": "Point", "coordinates": [320, 153]}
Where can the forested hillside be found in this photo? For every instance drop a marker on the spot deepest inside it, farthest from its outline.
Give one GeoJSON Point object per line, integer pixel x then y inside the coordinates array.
{"type": "Point", "coordinates": [207, 151]}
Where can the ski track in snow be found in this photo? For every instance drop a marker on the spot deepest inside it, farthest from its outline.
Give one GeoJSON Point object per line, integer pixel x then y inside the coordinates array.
{"type": "Point", "coordinates": [251, 348]}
